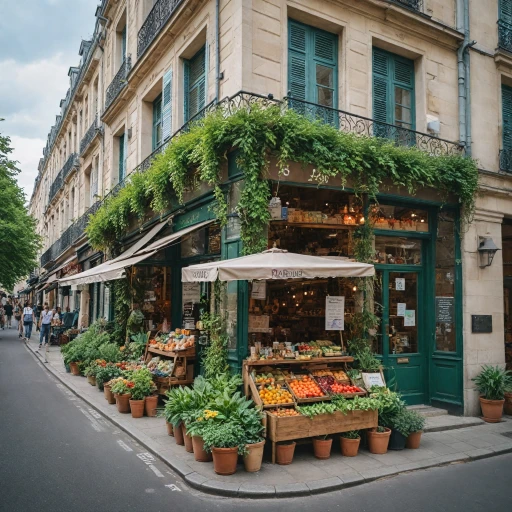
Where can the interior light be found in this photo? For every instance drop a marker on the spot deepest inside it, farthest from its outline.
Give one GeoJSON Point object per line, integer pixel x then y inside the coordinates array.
{"type": "Point", "coordinates": [354, 289]}
{"type": "Point", "coordinates": [297, 305]}
{"type": "Point", "coordinates": [305, 293]}
{"type": "Point", "coordinates": [293, 296]}
{"type": "Point", "coordinates": [284, 303]}
{"type": "Point", "coordinates": [422, 220]}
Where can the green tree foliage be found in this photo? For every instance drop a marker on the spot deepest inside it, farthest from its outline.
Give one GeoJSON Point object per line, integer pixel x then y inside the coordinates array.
{"type": "Point", "coordinates": [19, 242]}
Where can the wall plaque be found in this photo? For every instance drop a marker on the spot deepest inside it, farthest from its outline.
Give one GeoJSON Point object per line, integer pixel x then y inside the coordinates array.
{"type": "Point", "coordinates": [481, 323]}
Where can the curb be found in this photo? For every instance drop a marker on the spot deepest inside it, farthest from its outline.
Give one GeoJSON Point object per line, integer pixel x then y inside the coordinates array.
{"type": "Point", "coordinates": [254, 491]}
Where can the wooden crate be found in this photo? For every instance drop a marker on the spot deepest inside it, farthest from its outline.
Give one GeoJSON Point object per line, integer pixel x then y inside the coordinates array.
{"type": "Point", "coordinates": [306, 400]}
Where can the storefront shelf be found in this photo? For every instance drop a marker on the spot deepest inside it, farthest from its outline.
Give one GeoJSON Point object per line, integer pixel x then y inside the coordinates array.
{"type": "Point", "coordinates": [319, 226]}
{"type": "Point", "coordinates": [271, 362]}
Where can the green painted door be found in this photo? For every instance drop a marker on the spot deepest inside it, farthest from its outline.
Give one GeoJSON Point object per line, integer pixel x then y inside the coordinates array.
{"type": "Point", "coordinates": [403, 348]}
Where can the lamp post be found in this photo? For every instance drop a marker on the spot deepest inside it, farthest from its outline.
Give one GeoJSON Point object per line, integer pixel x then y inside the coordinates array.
{"type": "Point", "coordinates": [486, 250]}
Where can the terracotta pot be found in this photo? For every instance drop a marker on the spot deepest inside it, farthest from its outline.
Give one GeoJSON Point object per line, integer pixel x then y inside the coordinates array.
{"type": "Point", "coordinates": [123, 402]}
{"type": "Point", "coordinates": [349, 447]}
{"type": "Point", "coordinates": [170, 430]}
{"type": "Point", "coordinates": [285, 453]}
{"type": "Point", "coordinates": [508, 404]}
{"type": "Point", "coordinates": [396, 440]}
{"type": "Point", "coordinates": [137, 408]}
{"type": "Point", "coordinates": [413, 440]}
{"type": "Point", "coordinates": [178, 435]}
{"type": "Point", "coordinates": [150, 405]}
{"type": "Point", "coordinates": [111, 399]}
{"type": "Point", "coordinates": [200, 454]}
{"type": "Point", "coordinates": [100, 384]}
{"type": "Point", "coordinates": [378, 441]}
{"type": "Point", "coordinates": [254, 456]}
{"type": "Point", "coordinates": [91, 379]}
{"type": "Point", "coordinates": [322, 448]}
{"type": "Point", "coordinates": [74, 368]}
{"type": "Point", "coordinates": [492, 410]}
{"type": "Point", "coordinates": [188, 440]}
{"type": "Point", "coordinates": [224, 460]}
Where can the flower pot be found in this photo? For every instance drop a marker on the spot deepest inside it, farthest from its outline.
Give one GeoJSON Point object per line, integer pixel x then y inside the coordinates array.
{"type": "Point", "coordinates": [492, 410]}
{"type": "Point", "coordinates": [137, 408]}
{"type": "Point", "coordinates": [378, 441]}
{"type": "Point", "coordinates": [508, 404]}
{"type": "Point", "coordinates": [91, 379]}
{"type": "Point", "coordinates": [254, 456]}
{"type": "Point", "coordinates": [413, 440]}
{"type": "Point", "coordinates": [170, 430]}
{"type": "Point", "coordinates": [178, 435]}
{"type": "Point", "coordinates": [188, 440]}
{"type": "Point", "coordinates": [150, 405]}
{"type": "Point", "coordinates": [100, 384]}
{"type": "Point", "coordinates": [68, 369]}
{"type": "Point", "coordinates": [200, 454]}
{"type": "Point", "coordinates": [123, 402]}
{"type": "Point", "coordinates": [322, 448]}
{"type": "Point", "coordinates": [285, 453]}
{"type": "Point", "coordinates": [224, 460]}
{"type": "Point", "coordinates": [74, 368]}
{"type": "Point", "coordinates": [396, 440]}
{"type": "Point", "coordinates": [111, 399]}
{"type": "Point", "coordinates": [349, 447]}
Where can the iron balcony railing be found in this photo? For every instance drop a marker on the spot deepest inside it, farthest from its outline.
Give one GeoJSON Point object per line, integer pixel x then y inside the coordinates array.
{"type": "Point", "coordinates": [93, 130]}
{"type": "Point", "coordinates": [118, 83]}
{"type": "Point", "coordinates": [416, 5]}
{"type": "Point", "coordinates": [505, 35]}
{"type": "Point", "coordinates": [506, 160]}
{"type": "Point", "coordinates": [58, 182]}
{"type": "Point", "coordinates": [155, 21]}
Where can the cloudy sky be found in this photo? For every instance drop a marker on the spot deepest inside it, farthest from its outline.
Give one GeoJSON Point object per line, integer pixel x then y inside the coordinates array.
{"type": "Point", "coordinates": [39, 41]}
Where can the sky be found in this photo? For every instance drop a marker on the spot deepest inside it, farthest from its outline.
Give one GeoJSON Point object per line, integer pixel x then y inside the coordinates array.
{"type": "Point", "coordinates": [39, 41]}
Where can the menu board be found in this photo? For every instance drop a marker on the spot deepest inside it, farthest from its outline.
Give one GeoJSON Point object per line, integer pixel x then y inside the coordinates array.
{"type": "Point", "coordinates": [334, 313]}
{"type": "Point", "coordinates": [445, 310]}
{"type": "Point", "coordinates": [191, 293]}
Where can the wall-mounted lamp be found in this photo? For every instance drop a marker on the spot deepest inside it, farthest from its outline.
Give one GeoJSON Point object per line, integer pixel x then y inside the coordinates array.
{"type": "Point", "coordinates": [486, 250]}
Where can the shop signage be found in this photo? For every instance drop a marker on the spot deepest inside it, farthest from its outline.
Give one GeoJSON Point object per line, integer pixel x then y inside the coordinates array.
{"type": "Point", "coordinates": [189, 320]}
{"type": "Point", "coordinates": [402, 360]}
{"type": "Point", "coordinates": [481, 323]}
{"type": "Point", "coordinates": [334, 313]}
{"type": "Point", "coordinates": [286, 273]}
{"type": "Point", "coordinates": [400, 284]}
{"type": "Point", "coordinates": [201, 275]}
{"type": "Point", "coordinates": [259, 323]}
{"type": "Point", "coordinates": [259, 290]}
{"type": "Point", "coordinates": [193, 217]}
{"type": "Point", "coordinates": [373, 379]}
{"type": "Point", "coordinates": [71, 270]}
{"type": "Point", "coordinates": [400, 309]}
{"type": "Point", "coordinates": [191, 293]}
{"type": "Point", "coordinates": [445, 310]}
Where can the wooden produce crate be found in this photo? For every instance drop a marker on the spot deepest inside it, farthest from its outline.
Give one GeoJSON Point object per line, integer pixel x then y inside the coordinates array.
{"type": "Point", "coordinates": [254, 394]}
{"type": "Point", "coordinates": [306, 400]}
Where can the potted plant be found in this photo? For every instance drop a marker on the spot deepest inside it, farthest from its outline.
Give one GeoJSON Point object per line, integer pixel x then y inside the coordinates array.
{"type": "Point", "coordinates": [196, 428]}
{"type": "Point", "coordinates": [399, 431]}
{"type": "Point", "coordinates": [176, 407]}
{"type": "Point", "coordinates": [415, 426]}
{"type": "Point", "coordinates": [90, 373]}
{"type": "Point", "coordinates": [285, 452]}
{"type": "Point", "coordinates": [322, 447]}
{"type": "Point", "coordinates": [251, 420]}
{"type": "Point", "coordinates": [142, 386]}
{"type": "Point", "coordinates": [378, 440]}
{"type": "Point", "coordinates": [121, 388]}
{"type": "Point", "coordinates": [350, 443]}
{"type": "Point", "coordinates": [492, 383]}
{"type": "Point", "coordinates": [104, 375]}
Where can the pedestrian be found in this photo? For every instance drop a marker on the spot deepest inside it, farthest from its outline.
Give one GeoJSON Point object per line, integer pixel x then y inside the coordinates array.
{"type": "Point", "coordinates": [28, 320]}
{"type": "Point", "coordinates": [8, 313]}
{"type": "Point", "coordinates": [17, 317]}
{"type": "Point", "coordinates": [2, 317]}
{"type": "Point", "coordinates": [44, 326]}
{"type": "Point", "coordinates": [37, 313]}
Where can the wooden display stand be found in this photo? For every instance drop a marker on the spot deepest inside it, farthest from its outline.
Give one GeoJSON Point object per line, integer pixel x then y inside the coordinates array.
{"type": "Point", "coordinates": [280, 428]}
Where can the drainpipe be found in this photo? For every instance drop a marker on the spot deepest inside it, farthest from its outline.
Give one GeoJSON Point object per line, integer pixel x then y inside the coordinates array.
{"type": "Point", "coordinates": [217, 50]}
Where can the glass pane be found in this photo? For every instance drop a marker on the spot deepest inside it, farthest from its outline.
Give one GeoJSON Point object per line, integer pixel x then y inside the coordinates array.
{"type": "Point", "coordinates": [445, 283]}
{"type": "Point", "coordinates": [324, 76]}
{"type": "Point", "coordinates": [325, 97]}
{"type": "Point", "coordinates": [377, 297]}
{"type": "Point", "coordinates": [231, 304]}
{"type": "Point", "coordinates": [234, 226]}
{"type": "Point", "coordinates": [403, 97]}
{"type": "Point", "coordinates": [403, 313]}
{"type": "Point", "coordinates": [403, 116]}
{"type": "Point", "coordinates": [193, 244]}
{"type": "Point", "coordinates": [158, 135]}
{"type": "Point", "coordinates": [399, 218]}
{"type": "Point", "coordinates": [393, 250]}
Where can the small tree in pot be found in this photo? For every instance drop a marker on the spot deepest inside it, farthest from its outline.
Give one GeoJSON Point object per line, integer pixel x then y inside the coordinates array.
{"type": "Point", "coordinates": [142, 387]}
{"type": "Point", "coordinates": [492, 383]}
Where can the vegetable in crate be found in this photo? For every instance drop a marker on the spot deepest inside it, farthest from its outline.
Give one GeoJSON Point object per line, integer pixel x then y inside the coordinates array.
{"type": "Point", "coordinates": [306, 387]}
{"type": "Point", "coordinates": [316, 409]}
{"type": "Point", "coordinates": [344, 389]}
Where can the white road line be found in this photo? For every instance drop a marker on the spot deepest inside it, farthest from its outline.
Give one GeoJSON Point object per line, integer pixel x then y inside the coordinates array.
{"type": "Point", "coordinates": [146, 457]}
{"type": "Point", "coordinates": [94, 413]}
{"type": "Point", "coordinates": [173, 487]}
{"type": "Point", "coordinates": [155, 470]}
{"type": "Point", "coordinates": [124, 446]}
{"type": "Point", "coordinates": [95, 425]}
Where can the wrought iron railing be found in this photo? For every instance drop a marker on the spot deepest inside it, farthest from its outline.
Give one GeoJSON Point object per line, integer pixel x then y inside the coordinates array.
{"type": "Point", "coordinates": [58, 182]}
{"type": "Point", "coordinates": [416, 5]}
{"type": "Point", "coordinates": [506, 160]}
{"type": "Point", "coordinates": [505, 35]}
{"type": "Point", "coordinates": [93, 130]}
{"type": "Point", "coordinates": [118, 83]}
{"type": "Point", "coordinates": [155, 21]}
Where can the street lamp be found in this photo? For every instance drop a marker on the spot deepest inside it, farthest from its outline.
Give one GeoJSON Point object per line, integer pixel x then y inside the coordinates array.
{"type": "Point", "coordinates": [486, 250]}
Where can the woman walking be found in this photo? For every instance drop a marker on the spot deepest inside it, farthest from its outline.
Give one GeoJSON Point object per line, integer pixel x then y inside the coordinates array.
{"type": "Point", "coordinates": [28, 320]}
{"type": "Point", "coordinates": [8, 313]}
{"type": "Point", "coordinates": [17, 317]}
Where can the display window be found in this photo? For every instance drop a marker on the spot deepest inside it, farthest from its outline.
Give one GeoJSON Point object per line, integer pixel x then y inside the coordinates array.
{"type": "Point", "coordinates": [393, 250]}
{"type": "Point", "coordinates": [399, 218]}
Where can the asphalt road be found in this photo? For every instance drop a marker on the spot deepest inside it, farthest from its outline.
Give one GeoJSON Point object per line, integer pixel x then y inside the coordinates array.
{"type": "Point", "coordinates": [59, 455]}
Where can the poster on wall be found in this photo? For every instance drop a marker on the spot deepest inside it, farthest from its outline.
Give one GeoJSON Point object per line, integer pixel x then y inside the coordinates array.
{"type": "Point", "coordinates": [191, 293]}
{"type": "Point", "coordinates": [400, 284]}
{"type": "Point", "coordinates": [400, 309]}
{"type": "Point", "coordinates": [410, 318]}
{"type": "Point", "coordinates": [259, 290]}
{"type": "Point", "coordinates": [334, 313]}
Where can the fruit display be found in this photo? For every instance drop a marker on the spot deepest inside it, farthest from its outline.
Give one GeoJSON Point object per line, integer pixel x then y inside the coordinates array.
{"type": "Point", "coordinates": [285, 413]}
{"type": "Point", "coordinates": [305, 387]}
{"type": "Point", "coordinates": [340, 375]}
{"type": "Point", "coordinates": [180, 339]}
{"type": "Point", "coordinates": [322, 373]}
{"type": "Point", "coordinates": [275, 395]}
{"type": "Point", "coordinates": [331, 351]}
{"type": "Point", "coordinates": [345, 389]}
{"type": "Point", "coordinates": [160, 368]}
{"type": "Point", "coordinates": [326, 382]}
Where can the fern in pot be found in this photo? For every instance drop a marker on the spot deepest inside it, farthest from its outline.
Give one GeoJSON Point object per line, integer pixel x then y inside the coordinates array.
{"type": "Point", "coordinates": [492, 382]}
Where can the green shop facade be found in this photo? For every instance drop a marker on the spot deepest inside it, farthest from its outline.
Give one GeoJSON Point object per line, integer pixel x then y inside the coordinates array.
{"type": "Point", "coordinates": [418, 288]}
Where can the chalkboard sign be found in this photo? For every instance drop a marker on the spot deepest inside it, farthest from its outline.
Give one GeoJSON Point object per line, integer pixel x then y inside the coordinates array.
{"type": "Point", "coordinates": [445, 310]}
{"type": "Point", "coordinates": [481, 323]}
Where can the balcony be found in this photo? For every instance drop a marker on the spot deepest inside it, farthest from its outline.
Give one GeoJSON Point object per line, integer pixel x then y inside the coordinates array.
{"type": "Point", "coordinates": [118, 83]}
{"type": "Point", "coordinates": [153, 24]}
{"type": "Point", "coordinates": [90, 134]}
{"type": "Point", "coordinates": [506, 160]}
{"type": "Point", "coordinates": [415, 5]}
{"type": "Point", "coordinates": [58, 182]}
{"type": "Point", "coordinates": [505, 35]}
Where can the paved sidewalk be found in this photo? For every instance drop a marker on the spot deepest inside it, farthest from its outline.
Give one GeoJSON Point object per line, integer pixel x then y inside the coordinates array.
{"type": "Point", "coordinates": [306, 475]}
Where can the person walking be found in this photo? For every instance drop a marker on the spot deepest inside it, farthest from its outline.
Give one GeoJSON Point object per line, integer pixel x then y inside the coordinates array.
{"type": "Point", "coordinates": [28, 320]}
{"type": "Point", "coordinates": [8, 313]}
{"type": "Point", "coordinates": [44, 326]}
{"type": "Point", "coordinates": [37, 313]}
{"type": "Point", "coordinates": [2, 317]}
{"type": "Point", "coordinates": [17, 317]}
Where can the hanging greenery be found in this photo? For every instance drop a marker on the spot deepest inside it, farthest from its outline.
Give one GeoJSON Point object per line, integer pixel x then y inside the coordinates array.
{"type": "Point", "coordinates": [368, 164]}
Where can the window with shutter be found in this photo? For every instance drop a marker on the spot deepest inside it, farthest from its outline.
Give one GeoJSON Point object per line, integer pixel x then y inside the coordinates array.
{"type": "Point", "coordinates": [195, 84]}
{"type": "Point", "coordinates": [123, 44]}
{"type": "Point", "coordinates": [506, 100]}
{"type": "Point", "coordinates": [167, 106]}
{"type": "Point", "coordinates": [312, 69]}
{"type": "Point", "coordinates": [157, 122]}
{"type": "Point", "coordinates": [506, 11]}
{"type": "Point", "coordinates": [122, 156]}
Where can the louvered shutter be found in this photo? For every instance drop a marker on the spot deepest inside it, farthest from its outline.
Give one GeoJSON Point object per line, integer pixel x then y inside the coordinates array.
{"type": "Point", "coordinates": [381, 86]}
{"type": "Point", "coordinates": [167, 105]}
{"type": "Point", "coordinates": [195, 84]}
{"type": "Point", "coordinates": [506, 11]}
{"type": "Point", "coordinates": [297, 69]}
{"type": "Point", "coordinates": [506, 98]}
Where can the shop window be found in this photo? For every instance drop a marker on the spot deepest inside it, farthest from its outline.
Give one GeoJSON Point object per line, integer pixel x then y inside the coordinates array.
{"type": "Point", "coordinates": [393, 250]}
{"type": "Point", "coordinates": [202, 242]}
{"type": "Point", "coordinates": [398, 218]}
{"type": "Point", "coordinates": [234, 226]}
{"type": "Point", "coordinates": [123, 153]}
{"type": "Point", "coordinates": [446, 340]}
{"type": "Point", "coordinates": [195, 84]}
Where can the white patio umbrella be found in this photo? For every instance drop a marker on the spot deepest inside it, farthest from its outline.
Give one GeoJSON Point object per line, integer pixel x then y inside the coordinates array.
{"type": "Point", "coordinates": [275, 264]}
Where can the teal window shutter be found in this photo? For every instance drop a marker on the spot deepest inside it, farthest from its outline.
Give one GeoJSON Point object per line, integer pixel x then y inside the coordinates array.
{"type": "Point", "coordinates": [167, 105]}
{"type": "Point", "coordinates": [123, 44]}
{"type": "Point", "coordinates": [157, 122]}
{"type": "Point", "coordinates": [506, 106]}
{"type": "Point", "coordinates": [195, 84]}
{"type": "Point", "coordinates": [506, 11]}
{"type": "Point", "coordinates": [122, 156]}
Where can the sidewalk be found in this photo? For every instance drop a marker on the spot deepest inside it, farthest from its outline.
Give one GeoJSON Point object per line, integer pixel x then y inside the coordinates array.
{"type": "Point", "coordinates": [306, 475]}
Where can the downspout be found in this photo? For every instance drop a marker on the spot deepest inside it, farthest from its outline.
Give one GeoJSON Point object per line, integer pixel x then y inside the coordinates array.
{"type": "Point", "coordinates": [217, 50]}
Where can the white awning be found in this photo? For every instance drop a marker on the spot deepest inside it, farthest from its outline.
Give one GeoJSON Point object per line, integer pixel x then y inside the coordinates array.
{"type": "Point", "coordinates": [142, 242]}
{"type": "Point", "coordinates": [275, 264]}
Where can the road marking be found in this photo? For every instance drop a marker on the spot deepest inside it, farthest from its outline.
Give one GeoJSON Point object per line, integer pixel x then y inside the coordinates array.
{"type": "Point", "coordinates": [94, 413]}
{"type": "Point", "coordinates": [150, 491]}
{"type": "Point", "coordinates": [94, 424]}
{"type": "Point", "coordinates": [155, 470]}
{"type": "Point", "coordinates": [146, 457]}
{"type": "Point", "coordinates": [124, 446]}
{"type": "Point", "coordinates": [173, 487]}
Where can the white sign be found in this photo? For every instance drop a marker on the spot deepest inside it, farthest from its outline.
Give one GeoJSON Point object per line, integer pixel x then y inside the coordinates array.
{"type": "Point", "coordinates": [373, 379]}
{"type": "Point", "coordinates": [400, 309]}
{"type": "Point", "coordinates": [259, 290]}
{"type": "Point", "coordinates": [259, 323]}
{"type": "Point", "coordinates": [410, 318]}
{"type": "Point", "coordinates": [191, 293]}
{"type": "Point", "coordinates": [334, 313]}
{"type": "Point", "coordinates": [400, 284]}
